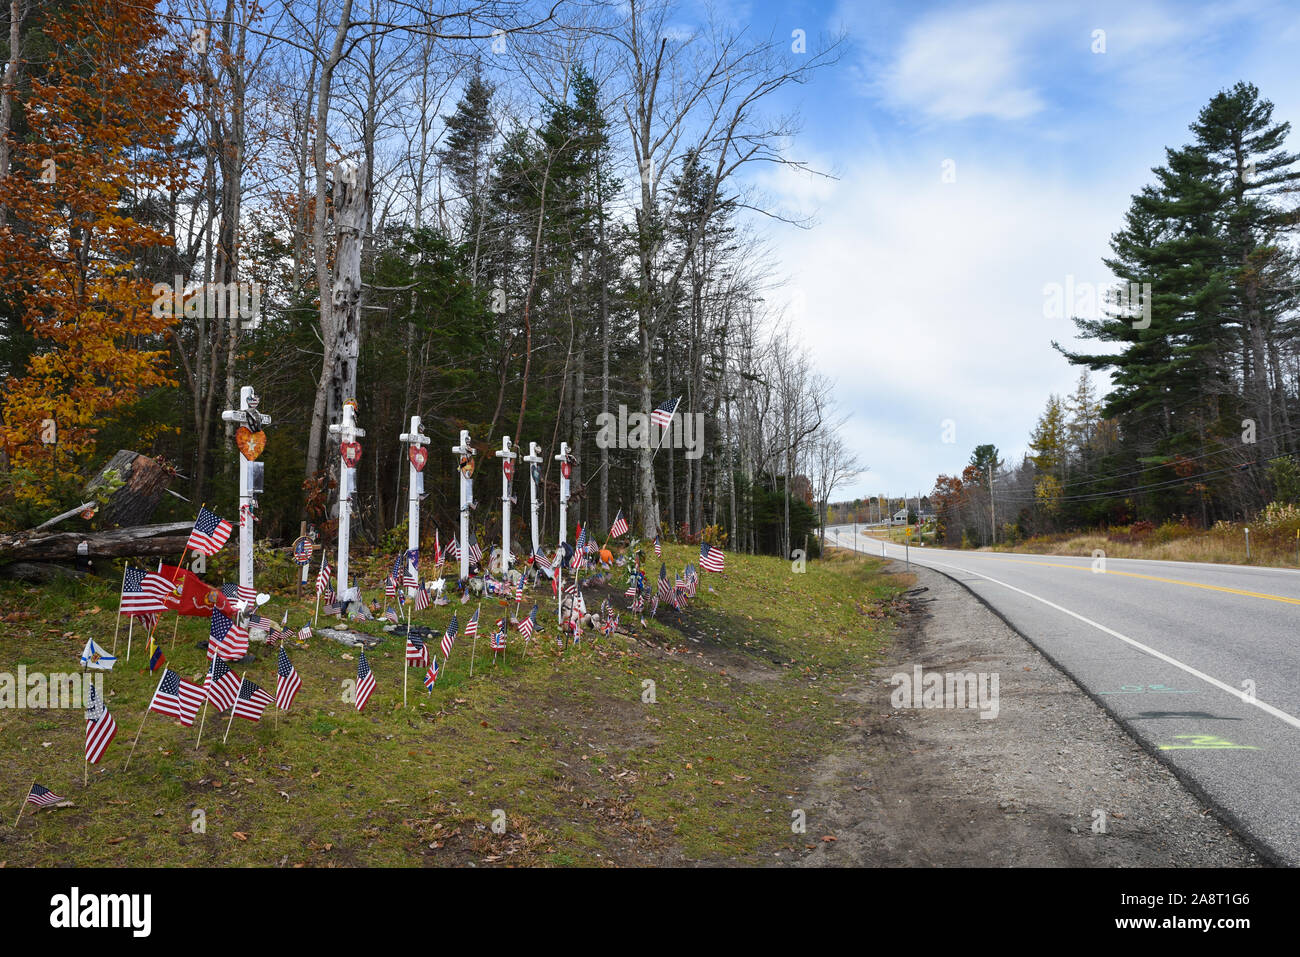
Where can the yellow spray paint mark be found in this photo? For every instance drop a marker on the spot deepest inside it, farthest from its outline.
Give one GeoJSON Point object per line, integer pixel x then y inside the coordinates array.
{"type": "Point", "coordinates": [1205, 742]}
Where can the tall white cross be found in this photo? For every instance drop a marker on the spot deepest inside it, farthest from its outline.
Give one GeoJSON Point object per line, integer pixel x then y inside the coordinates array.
{"type": "Point", "coordinates": [565, 466]}
{"type": "Point", "coordinates": [466, 499]}
{"type": "Point", "coordinates": [348, 433]}
{"type": "Point", "coordinates": [507, 457]}
{"type": "Point", "coordinates": [416, 440]}
{"type": "Point", "coordinates": [534, 460]}
{"type": "Point", "coordinates": [248, 402]}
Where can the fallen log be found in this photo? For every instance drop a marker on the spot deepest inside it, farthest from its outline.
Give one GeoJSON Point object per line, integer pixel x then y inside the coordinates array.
{"type": "Point", "coordinates": [134, 485]}
{"type": "Point", "coordinates": [168, 539]}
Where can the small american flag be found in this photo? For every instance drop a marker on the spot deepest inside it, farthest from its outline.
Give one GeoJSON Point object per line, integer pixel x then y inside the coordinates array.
{"type": "Point", "coordinates": [437, 548]}
{"type": "Point", "coordinates": [453, 550]}
{"type": "Point", "coordinates": [711, 558]}
{"type": "Point", "coordinates": [519, 590]}
{"type": "Point", "coordinates": [541, 561]}
{"type": "Point", "coordinates": [665, 586]}
{"type": "Point", "coordinates": [304, 633]}
{"type": "Point", "coordinates": [287, 681]}
{"type": "Point", "coordinates": [453, 626]}
{"type": "Point", "coordinates": [100, 727]}
{"type": "Point", "coordinates": [365, 682]}
{"type": "Point", "coordinates": [226, 639]}
{"type": "Point", "coordinates": [411, 573]}
{"type": "Point", "coordinates": [177, 697]}
{"type": "Point", "coordinates": [620, 525]}
{"type": "Point", "coordinates": [283, 633]}
{"type": "Point", "coordinates": [421, 597]}
{"type": "Point", "coordinates": [323, 579]}
{"type": "Point", "coordinates": [390, 614]}
{"type": "Point", "coordinates": [471, 627]}
{"type": "Point", "coordinates": [663, 413]}
{"type": "Point", "coordinates": [143, 592]}
{"type": "Point", "coordinates": [209, 534]}
{"type": "Point", "coordinates": [499, 639]}
{"type": "Point", "coordinates": [42, 796]}
{"type": "Point", "coordinates": [252, 701]}
{"type": "Point", "coordinates": [221, 685]}
{"type": "Point", "coordinates": [417, 653]}
{"type": "Point", "coordinates": [658, 548]}
{"type": "Point", "coordinates": [638, 602]}
{"type": "Point", "coordinates": [529, 625]}
{"type": "Point", "coordinates": [475, 553]}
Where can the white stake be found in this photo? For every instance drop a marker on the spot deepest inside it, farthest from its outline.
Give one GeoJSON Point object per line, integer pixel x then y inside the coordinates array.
{"type": "Point", "coordinates": [534, 470]}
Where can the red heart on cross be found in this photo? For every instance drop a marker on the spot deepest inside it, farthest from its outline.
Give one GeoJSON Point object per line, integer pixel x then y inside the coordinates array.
{"type": "Point", "coordinates": [351, 453]}
{"type": "Point", "coordinates": [566, 469]}
{"type": "Point", "coordinates": [418, 455]}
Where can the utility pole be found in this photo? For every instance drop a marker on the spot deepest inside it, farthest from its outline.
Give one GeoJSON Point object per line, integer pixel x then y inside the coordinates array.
{"type": "Point", "coordinates": [992, 518]}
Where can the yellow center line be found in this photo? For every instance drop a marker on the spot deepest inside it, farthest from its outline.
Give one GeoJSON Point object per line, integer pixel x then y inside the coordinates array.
{"type": "Point", "coordinates": [1153, 578]}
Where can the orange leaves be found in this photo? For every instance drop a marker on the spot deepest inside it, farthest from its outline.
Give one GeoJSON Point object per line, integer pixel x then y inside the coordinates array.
{"type": "Point", "coordinates": [102, 119]}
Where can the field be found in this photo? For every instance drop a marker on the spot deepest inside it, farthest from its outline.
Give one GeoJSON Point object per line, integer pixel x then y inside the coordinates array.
{"type": "Point", "coordinates": [563, 753]}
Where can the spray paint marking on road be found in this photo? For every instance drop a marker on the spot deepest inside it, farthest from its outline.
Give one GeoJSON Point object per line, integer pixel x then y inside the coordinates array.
{"type": "Point", "coordinates": [1205, 742]}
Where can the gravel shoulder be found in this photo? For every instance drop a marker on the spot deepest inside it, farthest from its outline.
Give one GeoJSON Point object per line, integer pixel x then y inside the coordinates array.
{"type": "Point", "coordinates": [942, 787]}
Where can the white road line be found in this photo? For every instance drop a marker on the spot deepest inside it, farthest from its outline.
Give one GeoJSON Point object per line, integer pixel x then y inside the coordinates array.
{"type": "Point", "coordinates": [1222, 686]}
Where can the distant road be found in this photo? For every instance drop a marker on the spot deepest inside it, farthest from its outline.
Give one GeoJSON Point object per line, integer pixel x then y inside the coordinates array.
{"type": "Point", "coordinates": [1199, 662]}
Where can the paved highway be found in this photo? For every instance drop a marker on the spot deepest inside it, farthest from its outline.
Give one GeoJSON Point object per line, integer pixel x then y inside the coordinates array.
{"type": "Point", "coordinates": [1199, 662]}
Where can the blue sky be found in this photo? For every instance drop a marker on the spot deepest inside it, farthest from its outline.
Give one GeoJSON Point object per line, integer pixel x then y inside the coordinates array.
{"type": "Point", "coordinates": [924, 299]}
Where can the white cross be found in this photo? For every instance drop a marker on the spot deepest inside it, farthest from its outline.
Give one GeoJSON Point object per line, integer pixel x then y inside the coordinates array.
{"type": "Point", "coordinates": [466, 488]}
{"type": "Point", "coordinates": [347, 431]}
{"type": "Point", "coordinates": [248, 401]}
{"type": "Point", "coordinates": [563, 458]}
{"type": "Point", "coordinates": [532, 458]}
{"type": "Point", "coordinates": [506, 454]}
{"type": "Point", "coordinates": [415, 438]}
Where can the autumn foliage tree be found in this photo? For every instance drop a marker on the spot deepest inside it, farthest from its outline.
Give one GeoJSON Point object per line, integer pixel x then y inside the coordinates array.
{"type": "Point", "coordinates": [84, 197]}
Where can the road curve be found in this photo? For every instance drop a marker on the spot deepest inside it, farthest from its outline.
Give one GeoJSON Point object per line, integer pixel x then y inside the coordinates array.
{"type": "Point", "coordinates": [1200, 662]}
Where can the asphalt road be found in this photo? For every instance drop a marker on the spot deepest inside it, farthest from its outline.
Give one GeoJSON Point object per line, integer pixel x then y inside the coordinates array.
{"type": "Point", "coordinates": [1201, 663]}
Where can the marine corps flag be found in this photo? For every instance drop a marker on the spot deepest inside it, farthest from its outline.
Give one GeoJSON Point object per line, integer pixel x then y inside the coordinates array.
{"type": "Point", "coordinates": [193, 596]}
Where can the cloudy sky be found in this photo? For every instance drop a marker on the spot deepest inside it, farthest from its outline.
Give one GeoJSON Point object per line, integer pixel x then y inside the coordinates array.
{"type": "Point", "coordinates": [924, 299]}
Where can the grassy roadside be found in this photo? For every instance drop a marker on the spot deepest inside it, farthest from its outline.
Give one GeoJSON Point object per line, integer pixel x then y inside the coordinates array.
{"type": "Point", "coordinates": [581, 769]}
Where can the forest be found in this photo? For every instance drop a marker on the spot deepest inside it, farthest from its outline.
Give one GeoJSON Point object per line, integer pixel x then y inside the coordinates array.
{"type": "Point", "coordinates": [504, 217]}
{"type": "Point", "coordinates": [1200, 421]}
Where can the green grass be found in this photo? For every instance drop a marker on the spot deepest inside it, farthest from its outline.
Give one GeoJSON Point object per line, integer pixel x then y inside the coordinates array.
{"type": "Point", "coordinates": [585, 772]}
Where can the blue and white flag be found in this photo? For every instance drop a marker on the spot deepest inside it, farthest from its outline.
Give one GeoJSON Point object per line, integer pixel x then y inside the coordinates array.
{"type": "Point", "coordinates": [96, 657]}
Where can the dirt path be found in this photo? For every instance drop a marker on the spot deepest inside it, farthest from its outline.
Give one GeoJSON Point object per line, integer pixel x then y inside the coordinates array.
{"type": "Point", "coordinates": [943, 787]}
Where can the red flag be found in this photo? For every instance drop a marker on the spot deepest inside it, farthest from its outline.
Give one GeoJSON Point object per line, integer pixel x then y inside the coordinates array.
{"type": "Point", "coordinates": [196, 597]}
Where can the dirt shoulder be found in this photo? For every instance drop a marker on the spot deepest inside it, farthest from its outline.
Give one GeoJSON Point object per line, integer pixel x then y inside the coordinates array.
{"type": "Point", "coordinates": [943, 787]}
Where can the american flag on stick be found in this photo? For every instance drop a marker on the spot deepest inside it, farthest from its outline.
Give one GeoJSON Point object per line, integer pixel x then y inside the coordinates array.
{"type": "Point", "coordinates": [100, 727]}
{"type": "Point", "coordinates": [209, 534]}
{"type": "Point", "coordinates": [287, 682]}
{"type": "Point", "coordinates": [42, 796]}
{"type": "Point", "coordinates": [252, 701]}
{"type": "Point", "coordinates": [620, 525]}
{"type": "Point", "coordinates": [529, 625]}
{"type": "Point", "coordinates": [177, 698]}
{"type": "Point", "coordinates": [662, 415]}
{"type": "Point", "coordinates": [449, 639]}
{"type": "Point", "coordinates": [225, 638]}
{"type": "Point", "coordinates": [417, 653]}
{"type": "Point", "coordinates": [421, 597]}
{"type": "Point", "coordinates": [143, 592]}
{"type": "Point", "coordinates": [658, 548]}
{"type": "Point", "coordinates": [221, 685]}
{"type": "Point", "coordinates": [365, 682]}
{"type": "Point", "coordinates": [711, 558]}
{"type": "Point", "coordinates": [323, 580]}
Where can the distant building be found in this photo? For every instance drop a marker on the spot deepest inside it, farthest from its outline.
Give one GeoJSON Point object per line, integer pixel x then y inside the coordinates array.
{"type": "Point", "coordinates": [900, 517]}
